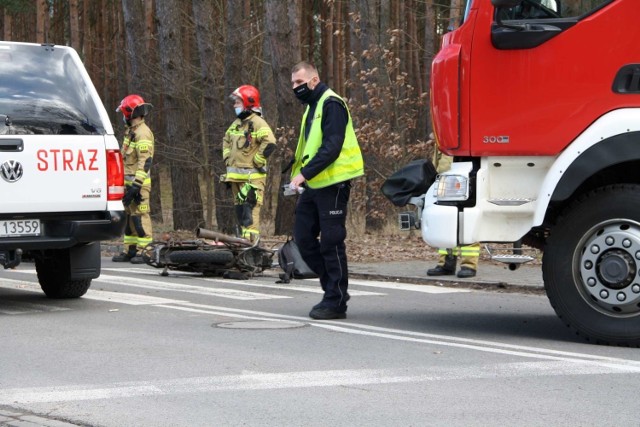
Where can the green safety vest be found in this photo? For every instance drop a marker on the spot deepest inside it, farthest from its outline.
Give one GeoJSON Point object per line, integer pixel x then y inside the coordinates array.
{"type": "Point", "coordinates": [349, 163]}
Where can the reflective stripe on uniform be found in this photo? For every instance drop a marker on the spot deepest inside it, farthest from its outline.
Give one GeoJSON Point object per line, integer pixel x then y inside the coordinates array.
{"type": "Point", "coordinates": [244, 174]}
{"type": "Point", "coordinates": [147, 181]}
{"type": "Point", "coordinates": [250, 233]}
{"type": "Point", "coordinates": [259, 159]}
{"type": "Point", "coordinates": [464, 251]}
{"type": "Point", "coordinates": [130, 240]}
{"type": "Point", "coordinates": [144, 241]}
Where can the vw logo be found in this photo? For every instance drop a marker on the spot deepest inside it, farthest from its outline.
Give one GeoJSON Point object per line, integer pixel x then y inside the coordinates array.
{"type": "Point", "coordinates": [11, 170]}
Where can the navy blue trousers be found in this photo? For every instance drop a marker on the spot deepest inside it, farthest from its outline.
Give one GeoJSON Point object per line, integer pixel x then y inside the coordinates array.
{"type": "Point", "coordinates": [320, 232]}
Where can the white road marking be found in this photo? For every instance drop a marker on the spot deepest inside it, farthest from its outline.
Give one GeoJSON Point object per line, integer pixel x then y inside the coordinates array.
{"type": "Point", "coordinates": [429, 289]}
{"type": "Point", "coordinates": [166, 285]}
{"type": "Point", "coordinates": [418, 337]}
{"type": "Point", "coordinates": [341, 326]}
{"type": "Point", "coordinates": [93, 294]}
{"type": "Point", "coordinates": [129, 299]}
{"type": "Point", "coordinates": [369, 330]}
{"type": "Point", "coordinates": [298, 380]}
{"type": "Point", "coordinates": [547, 362]}
{"type": "Point", "coordinates": [314, 287]}
{"type": "Point", "coordinates": [191, 289]}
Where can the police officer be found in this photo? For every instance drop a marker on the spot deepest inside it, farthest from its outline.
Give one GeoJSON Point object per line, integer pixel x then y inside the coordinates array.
{"type": "Point", "coordinates": [327, 158]}
{"type": "Point", "coordinates": [246, 146]}
{"type": "Point", "coordinates": [469, 254]}
{"type": "Point", "coordinates": [137, 153]}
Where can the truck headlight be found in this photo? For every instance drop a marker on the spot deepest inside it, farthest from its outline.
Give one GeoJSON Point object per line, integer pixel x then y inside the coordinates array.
{"type": "Point", "coordinates": [451, 188]}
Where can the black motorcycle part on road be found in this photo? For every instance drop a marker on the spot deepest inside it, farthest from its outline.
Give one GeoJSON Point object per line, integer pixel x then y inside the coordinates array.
{"type": "Point", "coordinates": [220, 257]}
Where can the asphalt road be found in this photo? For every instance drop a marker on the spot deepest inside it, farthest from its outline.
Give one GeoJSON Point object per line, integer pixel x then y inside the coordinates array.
{"type": "Point", "coordinates": [144, 350]}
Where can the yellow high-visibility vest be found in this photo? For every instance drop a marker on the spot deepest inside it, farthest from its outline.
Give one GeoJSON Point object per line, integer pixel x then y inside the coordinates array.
{"type": "Point", "coordinates": [349, 163]}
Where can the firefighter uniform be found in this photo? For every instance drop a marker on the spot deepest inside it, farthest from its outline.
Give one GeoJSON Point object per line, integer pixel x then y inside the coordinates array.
{"type": "Point", "coordinates": [245, 148]}
{"type": "Point", "coordinates": [137, 153]}
{"type": "Point", "coordinates": [468, 254]}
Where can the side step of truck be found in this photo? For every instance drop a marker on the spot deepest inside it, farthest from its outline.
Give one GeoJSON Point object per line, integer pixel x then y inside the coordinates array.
{"type": "Point", "coordinates": [514, 256]}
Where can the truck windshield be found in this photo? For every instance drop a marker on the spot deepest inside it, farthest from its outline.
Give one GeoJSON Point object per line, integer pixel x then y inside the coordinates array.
{"type": "Point", "coordinates": [43, 92]}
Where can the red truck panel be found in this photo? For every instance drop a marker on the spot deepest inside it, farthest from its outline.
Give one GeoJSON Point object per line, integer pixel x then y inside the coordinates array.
{"type": "Point", "coordinates": [533, 101]}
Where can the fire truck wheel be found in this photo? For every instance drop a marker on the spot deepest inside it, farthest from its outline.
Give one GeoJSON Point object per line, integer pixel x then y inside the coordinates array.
{"type": "Point", "coordinates": [217, 257]}
{"type": "Point", "coordinates": [591, 265]}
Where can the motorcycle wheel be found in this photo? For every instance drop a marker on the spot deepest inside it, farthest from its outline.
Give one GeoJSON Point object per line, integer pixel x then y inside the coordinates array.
{"type": "Point", "coordinates": [219, 257]}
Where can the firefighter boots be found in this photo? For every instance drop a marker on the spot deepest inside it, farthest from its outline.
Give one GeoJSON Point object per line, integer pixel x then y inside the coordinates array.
{"type": "Point", "coordinates": [466, 272]}
{"type": "Point", "coordinates": [447, 269]}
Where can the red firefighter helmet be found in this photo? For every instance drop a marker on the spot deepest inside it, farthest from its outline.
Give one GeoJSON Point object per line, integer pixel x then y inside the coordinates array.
{"type": "Point", "coordinates": [133, 106]}
{"type": "Point", "coordinates": [250, 97]}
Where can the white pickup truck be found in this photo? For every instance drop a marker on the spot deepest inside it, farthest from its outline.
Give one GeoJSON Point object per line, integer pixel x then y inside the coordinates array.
{"type": "Point", "coordinates": [61, 171]}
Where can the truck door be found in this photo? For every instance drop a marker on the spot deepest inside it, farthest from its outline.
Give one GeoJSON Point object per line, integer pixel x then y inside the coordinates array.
{"type": "Point", "coordinates": [542, 71]}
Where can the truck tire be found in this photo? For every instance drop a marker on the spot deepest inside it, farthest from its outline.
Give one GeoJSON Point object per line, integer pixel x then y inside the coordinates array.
{"type": "Point", "coordinates": [591, 265]}
{"type": "Point", "coordinates": [217, 257]}
{"type": "Point", "coordinates": [55, 277]}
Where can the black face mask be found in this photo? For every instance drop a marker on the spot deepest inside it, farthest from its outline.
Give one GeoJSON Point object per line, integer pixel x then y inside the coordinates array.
{"type": "Point", "coordinates": [303, 93]}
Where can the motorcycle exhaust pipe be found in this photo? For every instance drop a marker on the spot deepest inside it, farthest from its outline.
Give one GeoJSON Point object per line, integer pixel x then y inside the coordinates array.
{"type": "Point", "coordinates": [221, 237]}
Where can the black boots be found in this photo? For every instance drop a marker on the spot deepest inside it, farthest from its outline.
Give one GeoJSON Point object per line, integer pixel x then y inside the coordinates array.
{"type": "Point", "coordinates": [123, 257]}
{"type": "Point", "coordinates": [130, 256]}
{"type": "Point", "coordinates": [448, 269]}
{"type": "Point", "coordinates": [466, 272]}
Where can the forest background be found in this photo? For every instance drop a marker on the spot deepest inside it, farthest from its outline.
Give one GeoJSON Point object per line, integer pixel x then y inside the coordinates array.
{"type": "Point", "coordinates": [186, 57]}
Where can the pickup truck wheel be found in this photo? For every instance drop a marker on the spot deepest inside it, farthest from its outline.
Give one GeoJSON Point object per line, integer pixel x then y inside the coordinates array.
{"type": "Point", "coordinates": [591, 266]}
{"type": "Point", "coordinates": [54, 278]}
{"type": "Point", "coordinates": [218, 257]}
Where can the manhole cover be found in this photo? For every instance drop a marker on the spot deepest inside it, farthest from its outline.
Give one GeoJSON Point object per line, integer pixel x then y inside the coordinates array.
{"type": "Point", "coordinates": [261, 324]}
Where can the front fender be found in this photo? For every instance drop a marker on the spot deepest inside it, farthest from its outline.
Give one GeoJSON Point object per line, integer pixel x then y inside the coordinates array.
{"type": "Point", "coordinates": [609, 140]}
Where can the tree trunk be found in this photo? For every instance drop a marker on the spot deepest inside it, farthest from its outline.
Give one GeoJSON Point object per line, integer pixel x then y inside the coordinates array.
{"type": "Point", "coordinates": [187, 201]}
{"type": "Point", "coordinates": [455, 13]}
{"type": "Point", "coordinates": [41, 18]}
{"type": "Point", "coordinates": [136, 50]}
{"type": "Point", "coordinates": [74, 25]}
{"type": "Point", "coordinates": [281, 26]}
{"type": "Point", "coordinates": [6, 24]}
{"type": "Point", "coordinates": [326, 73]}
{"type": "Point", "coordinates": [236, 66]}
{"type": "Point", "coordinates": [138, 78]}
{"type": "Point", "coordinates": [211, 75]}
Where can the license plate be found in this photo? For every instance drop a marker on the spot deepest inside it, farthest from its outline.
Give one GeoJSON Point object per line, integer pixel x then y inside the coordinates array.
{"type": "Point", "coordinates": [20, 228]}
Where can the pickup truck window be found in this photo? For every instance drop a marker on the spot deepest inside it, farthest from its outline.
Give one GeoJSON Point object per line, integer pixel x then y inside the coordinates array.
{"type": "Point", "coordinates": [42, 92]}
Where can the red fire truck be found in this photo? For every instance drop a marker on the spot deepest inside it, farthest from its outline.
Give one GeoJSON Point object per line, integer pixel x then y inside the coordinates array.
{"type": "Point", "coordinates": [539, 103]}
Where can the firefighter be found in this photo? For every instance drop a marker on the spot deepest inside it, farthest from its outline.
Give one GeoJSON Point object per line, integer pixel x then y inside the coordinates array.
{"type": "Point", "coordinates": [137, 153]}
{"type": "Point", "coordinates": [246, 146]}
{"type": "Point", "coordinates": [469, 254]}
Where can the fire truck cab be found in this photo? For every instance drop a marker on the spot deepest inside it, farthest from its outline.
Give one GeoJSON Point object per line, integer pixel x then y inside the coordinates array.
{"type": "Point", "coordinates": [539, 103]}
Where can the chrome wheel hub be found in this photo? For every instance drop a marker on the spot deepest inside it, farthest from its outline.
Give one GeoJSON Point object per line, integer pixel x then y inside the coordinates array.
{"type": "Point", "coordinates": [609, 265]}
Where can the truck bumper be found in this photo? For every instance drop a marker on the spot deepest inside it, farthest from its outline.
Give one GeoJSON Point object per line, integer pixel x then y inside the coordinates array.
{"type": "Point", "coordinates": [59, 232]}
{"type": "Point", "coordinates": [439, 224]}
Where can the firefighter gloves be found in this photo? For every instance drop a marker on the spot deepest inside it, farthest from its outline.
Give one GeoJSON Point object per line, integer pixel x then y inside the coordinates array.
{"type": "Point", "coordinates": [132, 194]}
